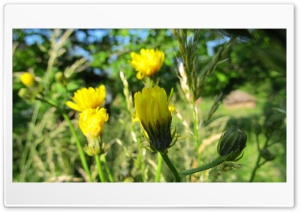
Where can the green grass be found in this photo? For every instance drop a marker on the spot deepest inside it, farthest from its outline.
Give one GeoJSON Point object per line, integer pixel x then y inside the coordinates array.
{"type": "Point", "coordinates": [52, 154]}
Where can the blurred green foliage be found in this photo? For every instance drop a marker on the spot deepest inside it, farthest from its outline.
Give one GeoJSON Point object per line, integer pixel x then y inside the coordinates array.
{"type": "Point", "coordinates": [44, 150]}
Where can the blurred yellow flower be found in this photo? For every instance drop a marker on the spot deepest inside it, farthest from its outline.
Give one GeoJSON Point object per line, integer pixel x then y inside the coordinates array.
{"type": "Point", "coordinates": [86, 98]}
{"type": "Point", "coordinates": [91, 122]}
{"type": "Point", "coordinates": [172, 108]}
{"type": "Point", "coordinates": [27, 79]}
{"type": "Point", "coordinates": [147, 63]}
{"type": "Point", "coordinates": [153, 112]}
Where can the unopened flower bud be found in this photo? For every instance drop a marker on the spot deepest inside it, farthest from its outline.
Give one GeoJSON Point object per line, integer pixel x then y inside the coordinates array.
{"type": "Point", "coordinates": [92, 150]}
{"type": "Point", "coordinates": [232, 143]}
{"type": "Point", "coordinates": [26, 94]}
{"type": "Point", "coordinates": [95, 147]}
{"type": "Point", "coordinates": [60, 78]}
{"type": "Point", "coordinates": [267, 155]}
{"type": "Point", "coordinates": [155, 117]}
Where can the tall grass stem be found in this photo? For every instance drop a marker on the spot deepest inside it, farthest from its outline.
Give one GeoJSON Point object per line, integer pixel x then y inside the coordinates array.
{"type": "Point", "coordinates": [79, 147]}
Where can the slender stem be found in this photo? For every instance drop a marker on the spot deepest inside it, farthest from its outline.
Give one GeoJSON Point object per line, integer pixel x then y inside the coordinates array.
{"type": "Point", "coordinates": [257, 161]}
{"type": "Point", "coordinates": [79, 147]}
{"type": "Point", "coordinates": [48, 102]}
{"type": "Point", "coordinates": [262, 163]}
{"type": "Point", "coordinates": [255, 169]}
{"type": "Point", "coordinates": [171, 167]}
{"type": "Point", "coordinates": [196, 133]}
{"type": "Point", "coordinates": [110, 177]}
{"type": "Point", "coordinates": [144, 174]}
{"type": "Point", "coordinates": [212, 164]}
{"type": "Point", "coordinates": [100, 171]}
{"type": "Point", "coordinates": [196, 125]}
{"type": "Point", "coordinates": [257, 165]}
{"type": "Point", "coordinates": [66, 94]}
{"type": "Point", "coordinates": [28, 143]}
{"type": "Point", "coordinates": [257, 142]}
{"type": "Point", "coordinates": [159, 165]}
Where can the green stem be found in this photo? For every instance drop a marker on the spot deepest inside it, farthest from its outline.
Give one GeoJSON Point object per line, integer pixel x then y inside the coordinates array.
{"type": "Point", "coordinates": [28, 143]}
{"type": "Point", "coordinates": [159, 165]}
{"type": "Point", "coordinates": [101, 174]}
{"type": "Point", "coordinates": [171, 167]}
{"type": "Point", "coordinates": [144, 174]}
{"type": "Point", "coordinates": [257, 165]}
{"type": "Point", "coordinates": [196, 132]}
{"type": "Point", "coordinates": [212, 164]}
{"type": "Point", "coordinates": [255, 169]}
{"type": "Point", "coordinates": [110, 177]}
{"type": "Point", "coordinates": [79, 147]}
{"type": "Point", "coordinates": [196, 125]}
{"type": "Point", "coordinates": [257, 161]}
{"type": "Point", "coordinates": [262, 163]}
{"type": "Point", "coordinates": [48, 102]}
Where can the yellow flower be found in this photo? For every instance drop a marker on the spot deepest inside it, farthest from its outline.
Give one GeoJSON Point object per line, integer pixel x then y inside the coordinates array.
{"type": "Point", "coordinates": [172, 108]}
{"type": "Point", "coordinates": [85, 98]}
{"type": "Point", "coordinates": [147, 63]}
{"type": "Point", "coordinates": [27, 79]}
{"type": "Point", "coordinates": [152, 110]}
{"type": "Point", "coordinates": [91, 122]}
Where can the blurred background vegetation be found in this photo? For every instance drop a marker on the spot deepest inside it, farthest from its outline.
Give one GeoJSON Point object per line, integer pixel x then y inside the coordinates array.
{"type": "Point", "coordinates": [45, 151]}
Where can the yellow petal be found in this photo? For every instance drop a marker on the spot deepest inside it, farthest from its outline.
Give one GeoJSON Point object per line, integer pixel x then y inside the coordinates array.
{"type": "Point", "coordinates": [86, 98]}
{"type": "Point", "coordinates": [140, 75]}
{"type": "Point", "coordinates": [73, 105]}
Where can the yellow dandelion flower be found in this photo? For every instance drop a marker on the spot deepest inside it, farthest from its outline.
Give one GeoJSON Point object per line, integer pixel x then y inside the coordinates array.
{"type": "Point", "coordinates": [147, 63]}
{"type": "Point", "coordinates": [86, 98]}
{"type": "Point", "coordinates": [27, 79]}
{"type": "Point", "coordinates": [91, 122]}
{"type": "Point", "coordinates": [153, 112]}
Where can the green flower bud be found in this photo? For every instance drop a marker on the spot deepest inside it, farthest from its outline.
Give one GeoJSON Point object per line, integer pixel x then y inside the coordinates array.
{"type": "Point", "coordinates": [267, 155]}
{"type": "Point", "coordinates": [128, 180]}
{"type": "Point", "coordinates": [92, 150]}
{"type": "Point", "coordinates": [94, 147]}
{"type": "Point", "coordinates": [258, 129]}
{"type": "Point", "coordinates": [60, 78]}
{"type": "Point", "coordinates": [26, 94]}
{"type": "Point", "coordinates": [232, 143]}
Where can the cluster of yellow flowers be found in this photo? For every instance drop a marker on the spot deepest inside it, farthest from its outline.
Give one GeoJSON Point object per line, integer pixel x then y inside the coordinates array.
{"type": "Point", "coordinates": [151, 106]}
{"type": "Point", "coordinates": [88, 102]}
{"type": "Point", "coordinates": [152, 109]}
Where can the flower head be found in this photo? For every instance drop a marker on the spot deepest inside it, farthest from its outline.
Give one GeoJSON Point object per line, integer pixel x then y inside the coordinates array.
{"type": "Point", "coordinates": [85, 98]}
{"type": "Point", "coordinates": [27, 79]}
{"type": "Point", "coordinates": [91, 122]}
{"type": "Point", "coordinates": [147, 63]}
{"type": "Point", "coordinates": [152, 110]}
